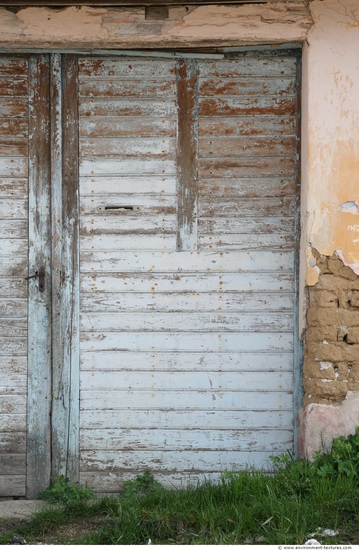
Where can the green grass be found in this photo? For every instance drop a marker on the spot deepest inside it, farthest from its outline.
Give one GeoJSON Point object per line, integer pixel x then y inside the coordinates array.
{"type": "Point", "coordinates": [299, 501]}
{"type": "Point", "coordinates": [244, 508]}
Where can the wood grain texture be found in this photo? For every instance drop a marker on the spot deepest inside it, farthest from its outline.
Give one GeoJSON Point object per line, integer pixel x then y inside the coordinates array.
{"type": "Point", "coordinates": [193, 337]}
{"type": "Point", "coordinates": [39, 337]}
{"type": "Point", "coordinates": [65, 372]}
{"type": "Point", "coordinates": [13, 268]}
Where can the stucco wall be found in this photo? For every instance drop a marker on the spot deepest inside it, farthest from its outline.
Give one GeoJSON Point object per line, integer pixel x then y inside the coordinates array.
{"type": "Point", "coordinates": [330, 223]}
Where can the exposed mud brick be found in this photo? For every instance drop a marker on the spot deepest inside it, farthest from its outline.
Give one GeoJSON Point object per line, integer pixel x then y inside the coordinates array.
{"type": "Point", "coordinates": [354, 298]}
{"type": "Point", "coordinates": [342, 371]}
{"type": "Point", "coordinates": [352, 336]}
{"type": "Point", "coordinates": [319, 369]}
{"type": "Point", "coordinates": [335, 265]}
{"type": "Point", "coordinates": [323, 298]}
{"type": "Point", "coordinates": [329, 389]}
{"type": "Point", "coordinates": [353, 377]}
{"type": "Point", "coordinates": [339, 317]}
{"type": "Point", "coordinates": [335, 352]}
{"type": "Point", "coordinates": [332, 283]}
{"type": "Point", "coordinates": [318, 334]}
{"type": "Point", "coordinates": [331, 358]}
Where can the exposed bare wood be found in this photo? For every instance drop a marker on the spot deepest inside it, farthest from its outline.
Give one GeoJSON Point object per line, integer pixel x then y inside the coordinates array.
{"type": "Point", "coordinates": [39, 384]}
{"type": "Point", "coordinates": [187, 143]}
{"type": "Point", "coordinates": [267, 125]}
{"type": "Point", "coordinates": [65, 378]}
{"type": "Point", "coordinates": [89, 28]}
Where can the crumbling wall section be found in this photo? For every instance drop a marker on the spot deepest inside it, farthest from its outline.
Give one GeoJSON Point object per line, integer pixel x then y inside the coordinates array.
{"type": "Point", "coordinates": [331, 360]}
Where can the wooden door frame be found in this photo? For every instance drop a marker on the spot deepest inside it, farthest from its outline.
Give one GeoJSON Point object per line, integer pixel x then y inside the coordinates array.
{"type": "Point", "coordinates": [53, 335]}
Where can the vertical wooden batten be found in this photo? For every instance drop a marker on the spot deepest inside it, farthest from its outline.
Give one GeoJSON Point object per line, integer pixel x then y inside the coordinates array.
{"type": "Point", "coordinates": [65, 376]}
{"type": "Point", "coordinates": [39, 309]}
{"type": "Point", "coordinates": [187, 142]}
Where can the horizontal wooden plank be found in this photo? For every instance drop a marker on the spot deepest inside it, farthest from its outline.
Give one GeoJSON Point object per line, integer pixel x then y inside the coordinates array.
{"type": "Point", "coordinates": [144, 88]}
{"type": "Point", "coordinates": [13, 87]}
{"type": "Point", "coordinates": [247, 167]}
{"type": "Point", "coordinates": [214, 382]}
{"type": "Point", "coordinates": [126, 146]}
{"type": "Point", "coordinates": [13, 166]}
{"type": "Point", "coordinates": [13, 428]}
{"type": "Point", "coordinates": [13, 404]}
{"type": "Point", "coordinates": [12, 464]}
{"type": "Point", "coordinates": [134, 185]}
{"type": "Point", "coordinates": [14, 288]}
{"type": "Point", "coordinates": [186, 302]}
{"type": "Point", "coordinates": [14, 127]}
{"type": "Point", "coordinates": [265, 125]}
{"type": "Point", "coordinates": [174, 461]}
{"type": "Point", "coordinates": [13, 66]}
{"type": "Point", "coordinates": [16, 345]}
{"type": "Point", "coordinates": [13, 147]}
{"type": "Point", "coordinates": [131, 107]}
{"type": "Point", "coordinates": [137, 205]}
{"type": "Point", "coordinates": [187, 282]}
{"type": "Point", "coordinates": [12, 327]}
{"type": "Point", "coordinates": [223, 227]}
{"type": "Point", "coordinates": [191, 400]}
{"type": "Point", "coordinates": [253, 207]}
{"type": "Point", "coordinates": [13, 107]}
{"type": "Point", "coordinates": [185, 419]}
{"type": "Point", "coordinates": [117, 126]}
{"type": "Point", "coordinates": [13, 228]}
{"type": "Point", "coordinates": [16, 365]}
{"type": "Point", "coordinates": [245, 241]}
{"type": "Point", "coordinates": [189, 321]}
{"type": "Point", "coordinates": [13, 266]}
{"type": "Point", "coordinates": [129, 242]}
{"type": "Point", "coordinates": [12, 307]}
{"type": "Point", "coordinates": [228, 261]}
{"type": "Point", "coordinates": [247, 187]}
{"type": "Point", "coordinates": [240, 86]}
{"type": "Point", "coordinates": [11, 383]}
{"type": "Point", "coordinates": [185, 440]}
{"type": "Point", "coordinates": [125, 68]}
{"type": "Point", "coordinates": [13, 247]}
{"type": "Point", "coordinates": [186, 361]}
{"type": "Point", "coordinates": [250, 65]}
{"type": "Point", "coordinates": [126, 166]}
{"type": "Point", "coordinates": [155, 223]}
{"type": "Point", "coordinates": [262, 105]}
{"type": "Point", "coordinates": [13, 443]}
{"type": "Point", "coordinates": [12, 485]}
{"type": "Point", "coordinates": [13, 188]}
{"type": "Point", "coordinates": [245, 146]}
{"type": "Point", "coordinates": [179, 341]}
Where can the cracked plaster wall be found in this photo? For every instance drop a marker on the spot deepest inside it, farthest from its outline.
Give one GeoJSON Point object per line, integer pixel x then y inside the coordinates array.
{"type": "Point", "coordinates": [330, 225]}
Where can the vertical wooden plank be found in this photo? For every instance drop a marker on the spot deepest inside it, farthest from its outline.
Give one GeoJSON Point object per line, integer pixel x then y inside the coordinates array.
{"type": "Point", "coordinates": [65, 403]}
{"type": "Point", "coordinates": [298, 391]}
{"type": "Point", "coordinates": [39, 332]}
{"type": "Point", "coordinates": [187, 171]}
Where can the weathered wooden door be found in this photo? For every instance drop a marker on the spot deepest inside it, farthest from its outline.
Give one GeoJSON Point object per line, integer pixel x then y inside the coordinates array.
{"type": "Point", "coordinates": [38, 212]}
{"type": "Point", "coordinates": [159, 198]}
{"type": "Point", "coordinates": [188, 200]}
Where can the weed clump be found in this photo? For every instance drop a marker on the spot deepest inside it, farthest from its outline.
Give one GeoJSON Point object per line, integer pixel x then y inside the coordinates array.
{"type": "Point", "coordinates": [63, 492]}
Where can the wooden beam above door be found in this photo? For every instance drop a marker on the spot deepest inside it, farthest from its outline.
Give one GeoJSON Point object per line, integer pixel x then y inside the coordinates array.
{"type": "Point", "coordinates": [111, 3]}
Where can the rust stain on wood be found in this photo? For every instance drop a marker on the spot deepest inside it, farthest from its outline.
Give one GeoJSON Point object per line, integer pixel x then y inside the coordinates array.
{"type": "Point", "coordinates": [187, 143]}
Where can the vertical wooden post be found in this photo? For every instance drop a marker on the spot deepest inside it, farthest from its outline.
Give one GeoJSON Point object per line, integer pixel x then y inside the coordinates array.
{"type": "Point", "coordinates": [65, 376]}
{"type": "Point", "coordinates": [187, 145]}
{"type": "Point", "coordinates": [39, 331]}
